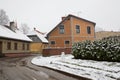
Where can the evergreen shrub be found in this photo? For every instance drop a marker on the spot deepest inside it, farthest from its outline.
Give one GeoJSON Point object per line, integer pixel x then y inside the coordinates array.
{"type": "Point", "coordinates": [107, 49]}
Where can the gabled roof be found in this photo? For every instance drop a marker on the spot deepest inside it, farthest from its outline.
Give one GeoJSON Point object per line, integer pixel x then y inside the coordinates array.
{"type": "Point", "coordinates": [39, 34]}
{"type": "Point", "coordinates": [68, 18]}
{"type": "Point", "coordinates": [7, 33]}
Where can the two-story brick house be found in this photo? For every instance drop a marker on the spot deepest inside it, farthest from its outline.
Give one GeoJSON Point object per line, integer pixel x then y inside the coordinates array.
{"type": "Point", "coordinates": [70, 30]}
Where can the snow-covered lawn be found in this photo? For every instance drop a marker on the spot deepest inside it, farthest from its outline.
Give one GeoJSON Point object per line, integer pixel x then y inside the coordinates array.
{"type": "Point", "coordinates": [96, 70]}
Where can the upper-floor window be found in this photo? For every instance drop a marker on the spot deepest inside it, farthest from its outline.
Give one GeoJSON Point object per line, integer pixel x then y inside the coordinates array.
{"type": "Point", "coordinates": [61, 29]}
{"type": "Point", "coordinates": [35, 38]}
{"type": "Point", "coordinates": [15, 46]}
{"type": "Point", "coordinates": [77, 29]}
{"type": "Point", "coordinates": [89, 30]}
{"type": "Point", "coordinates": [8, 45]}
{"type": "Point", "coordinates": [52, 42]}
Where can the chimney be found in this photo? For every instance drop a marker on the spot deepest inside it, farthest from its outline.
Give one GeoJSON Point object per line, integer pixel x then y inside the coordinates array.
{"type": "Point", "coordinates": [63, 18]}
{"type": "Point", "coordinates": [13, 26]}
{"type": "Point", "coordinates": [34, 29]}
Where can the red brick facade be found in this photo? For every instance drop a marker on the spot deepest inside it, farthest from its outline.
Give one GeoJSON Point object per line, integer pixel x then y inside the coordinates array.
{"type": "Point", "coordinates": [70, 30]}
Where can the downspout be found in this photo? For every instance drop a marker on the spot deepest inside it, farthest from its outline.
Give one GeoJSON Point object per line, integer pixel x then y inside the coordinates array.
{"type": "Point", "coordinates": [94, 34]}
{"type": "Point", "coordinates": [49, 44]}
{"type": "Point", "coordinates": [71, 25]}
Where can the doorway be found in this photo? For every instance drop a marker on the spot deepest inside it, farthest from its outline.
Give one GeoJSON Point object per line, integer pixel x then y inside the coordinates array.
{"type": "Point", "coordinates": [0, 47]}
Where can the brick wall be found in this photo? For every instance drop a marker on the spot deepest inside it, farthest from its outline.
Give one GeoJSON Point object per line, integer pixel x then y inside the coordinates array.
{"type": "Point", "coordinates": [56, 51]}
{"type": "Point", "coordinates": [70, 32]}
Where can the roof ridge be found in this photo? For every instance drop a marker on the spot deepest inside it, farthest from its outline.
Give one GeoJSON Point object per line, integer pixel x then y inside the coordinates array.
{"type": "Point", "coordinates": [39, 31]}
{"type": "Point", "coordinates": [80, 18]}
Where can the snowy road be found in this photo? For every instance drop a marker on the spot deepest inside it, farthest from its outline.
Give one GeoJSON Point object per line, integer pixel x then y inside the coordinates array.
{"type": "Point", "coordinates": [22, 69]}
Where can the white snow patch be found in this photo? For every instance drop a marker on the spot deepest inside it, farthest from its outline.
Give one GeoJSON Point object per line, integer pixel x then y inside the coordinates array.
{"type": "Point", "coordinates": [96, 70]}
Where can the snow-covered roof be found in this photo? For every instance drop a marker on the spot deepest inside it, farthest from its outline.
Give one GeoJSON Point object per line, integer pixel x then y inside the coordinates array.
{"type": "Point", "coordinates": [9, 34]}
{"type": "Point", "coordinates": [39, 35]}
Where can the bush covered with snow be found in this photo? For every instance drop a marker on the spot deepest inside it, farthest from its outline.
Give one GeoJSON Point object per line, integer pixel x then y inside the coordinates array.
{"type": "Point", "coordinates": [107, 49]}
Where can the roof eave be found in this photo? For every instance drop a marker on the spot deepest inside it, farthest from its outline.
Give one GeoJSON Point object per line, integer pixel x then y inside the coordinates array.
{"type": "Point", "coordinates": [15, 39]}
{"type": "Point", "coordinates": [82, 19]}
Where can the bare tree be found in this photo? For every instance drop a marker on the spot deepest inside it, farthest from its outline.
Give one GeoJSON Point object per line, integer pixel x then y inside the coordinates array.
{"type": "Point", "coordinates": [24, 28]}
{"type": "Point", "coordinates": [97, 29]}
{"type": "Point", "coordinates": [3, 17]}
{"type": "Point", "coordinates": [119, 30]}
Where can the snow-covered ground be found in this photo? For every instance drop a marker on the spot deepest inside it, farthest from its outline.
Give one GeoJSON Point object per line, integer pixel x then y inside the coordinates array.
{"type": "Point", "coordinates": [96, 70]}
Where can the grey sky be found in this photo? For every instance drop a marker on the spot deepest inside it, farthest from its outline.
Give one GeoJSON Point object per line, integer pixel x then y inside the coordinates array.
{"type": "Point", "coordinates": [46, 14]}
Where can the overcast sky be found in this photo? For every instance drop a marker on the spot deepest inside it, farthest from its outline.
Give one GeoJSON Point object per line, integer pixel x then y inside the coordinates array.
{"type": "Point", "coordinates": [46, 14]}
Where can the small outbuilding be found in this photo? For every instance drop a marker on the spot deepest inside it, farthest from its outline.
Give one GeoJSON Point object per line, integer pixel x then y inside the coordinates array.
{"type": "Point", "coordinates": [39, 41]}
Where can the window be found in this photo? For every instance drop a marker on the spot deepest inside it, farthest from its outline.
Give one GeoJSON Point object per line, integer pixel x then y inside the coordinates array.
{"type": "Point", "coordinates": [23, 46]}
{"type": "Point", "coordinates": [52, 42]}
{"type": "Point", "coordinates": [67, 42]}
{"type": "Point", "coordinates": [8, 45]}
{"type": "Point", "coordinates": [27, 46]}
{"type": "Point", "coordinates": [77, 29]}
{"type": "Point", "coordinates": [61, 29]}
{"type": "Point", "coordinates": [34, 38]}
{"type": "Point", "coordinates": [88, 30]}
{"type": "Point", "coordinates": [15, 46]}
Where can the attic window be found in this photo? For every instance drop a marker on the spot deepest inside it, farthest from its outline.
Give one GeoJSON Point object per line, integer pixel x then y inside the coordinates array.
{"type": "Point", "coordinates": [61, 29]}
